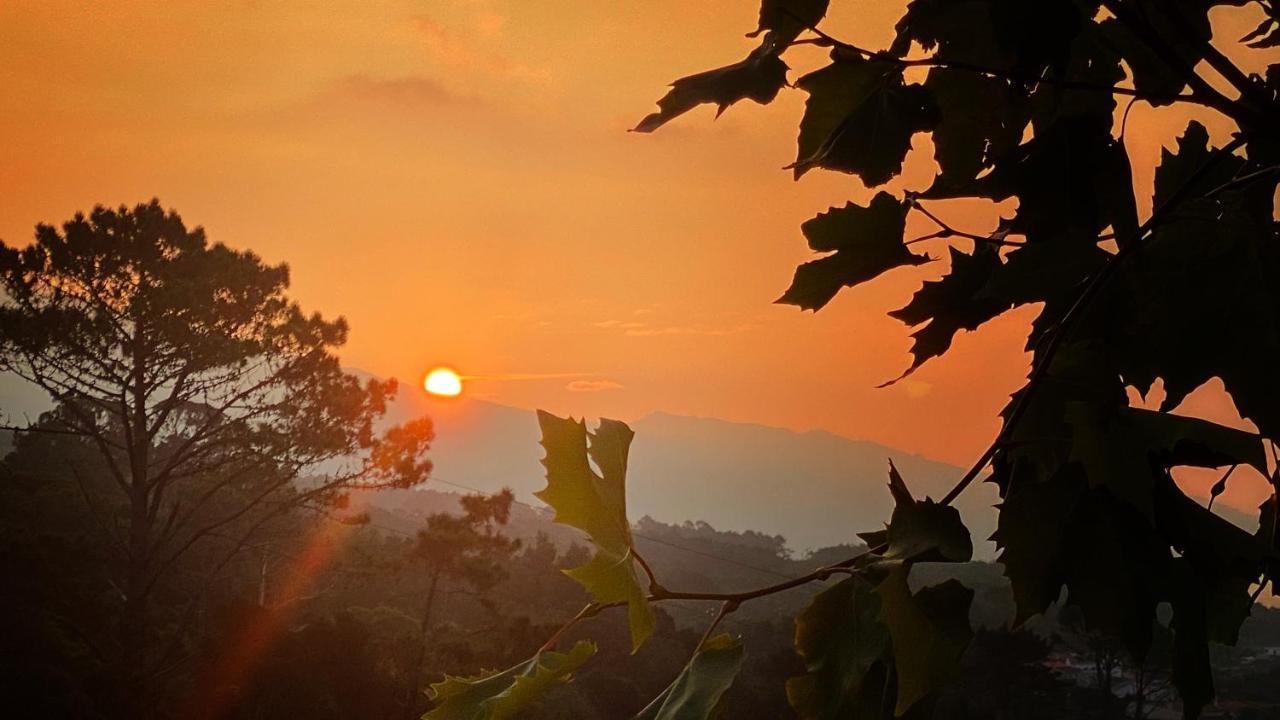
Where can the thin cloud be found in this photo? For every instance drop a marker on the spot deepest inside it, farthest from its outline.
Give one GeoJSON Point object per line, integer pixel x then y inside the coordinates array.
{"type": "Point", "coordinates": [457, 51]}
{"type": "Point", "coordinates": [408, 91]}
{"type": "Point", "coordinates": [522, 377]}
{"type": "Point", "coordinates": [647, 331]}
{"type": "Point", "coordinates": [590, 386]}
{"type": "Point", "coordinates": [915, 388]}
{"type": "Point", "coordinates": [635, 328]}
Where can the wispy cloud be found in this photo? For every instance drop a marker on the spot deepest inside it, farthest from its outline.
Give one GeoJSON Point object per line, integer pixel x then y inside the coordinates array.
{"type": "Point", "coordinates": [465, 51]}
{"type": "Point", "coordinates": [654, 331]}
{"type": "Point", "coordinates": [634, 328]}
{"type": "Point", "coordinates": [407, 90]}
{"type": "Point", "coordinates": [590, 386]}
{"type": "Point", "coordinates": [621, 324]}
{"type": "Point", "coordinates": [520, 377]}
{"type": "Point", "coordinates": [915, 388]}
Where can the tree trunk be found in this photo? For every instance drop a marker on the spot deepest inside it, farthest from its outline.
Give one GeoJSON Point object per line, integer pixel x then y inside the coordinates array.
{"type": "Point", "coordinates": [133, 629]}
{"type": "Point", "coordinates": [134, 621]}
{"type": "Point", "coordinates": [415, 672]}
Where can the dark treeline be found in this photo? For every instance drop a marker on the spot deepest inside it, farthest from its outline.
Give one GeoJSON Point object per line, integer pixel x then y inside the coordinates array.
{"type": "Point", "coordinates": [354, 612]}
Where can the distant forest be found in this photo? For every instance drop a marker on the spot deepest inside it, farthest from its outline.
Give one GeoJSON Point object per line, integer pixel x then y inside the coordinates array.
{"type": "Point", "coordinates": [334, 617]}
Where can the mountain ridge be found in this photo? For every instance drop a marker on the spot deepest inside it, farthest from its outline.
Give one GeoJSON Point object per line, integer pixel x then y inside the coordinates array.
{"type": "Point", "coordinates": [814, 487]}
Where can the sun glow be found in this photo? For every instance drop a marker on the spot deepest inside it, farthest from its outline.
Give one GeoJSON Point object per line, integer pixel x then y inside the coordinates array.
{"type": "Point", "coordinates": [443, 382]}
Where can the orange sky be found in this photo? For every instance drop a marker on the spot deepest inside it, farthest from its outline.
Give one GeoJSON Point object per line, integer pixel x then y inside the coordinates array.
{"type": "Point", "coordinates": [455, 177]}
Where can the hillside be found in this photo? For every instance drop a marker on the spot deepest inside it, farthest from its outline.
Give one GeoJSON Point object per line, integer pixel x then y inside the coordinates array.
{"type": "Point", "coordinates": [814, 488]}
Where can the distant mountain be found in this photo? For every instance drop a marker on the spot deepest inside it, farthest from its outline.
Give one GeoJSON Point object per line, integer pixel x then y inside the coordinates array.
{"type": "Point", "coordinates": [814, 488]}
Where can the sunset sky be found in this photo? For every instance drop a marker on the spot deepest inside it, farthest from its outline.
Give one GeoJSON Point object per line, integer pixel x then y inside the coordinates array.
{"type": "Point", "coordinates": [456, 178]}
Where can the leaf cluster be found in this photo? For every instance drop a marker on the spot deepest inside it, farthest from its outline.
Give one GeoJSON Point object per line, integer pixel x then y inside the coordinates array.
{"type": "Point", "coordinates": [1021, 103]}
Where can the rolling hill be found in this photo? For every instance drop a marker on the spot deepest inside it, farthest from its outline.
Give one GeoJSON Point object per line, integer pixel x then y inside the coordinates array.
{"type": "Point", "coordinates": [814, 488]}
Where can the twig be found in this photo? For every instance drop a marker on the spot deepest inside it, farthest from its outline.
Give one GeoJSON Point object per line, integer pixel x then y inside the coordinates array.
{"type": "Point", "coordinates": [1221, 482]}
{"type": "Point", "coordinates": [930, 236]}
{"type": "Point", "coordinates": [1201, 91]}
{"type": "Point", "coordinates": [726, 607]}
{"type": "Point", "coordinates": [945, 230]}
{"type": "Point", "coordinates": [654, 585]}
{"type": "Point", "coordinates": [1242, 181]}
{"type": "Point", "coordinates": [590, 610]}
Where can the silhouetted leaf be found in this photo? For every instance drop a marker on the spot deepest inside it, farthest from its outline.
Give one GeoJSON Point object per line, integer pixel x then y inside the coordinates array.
{"type": "Point", "coordinates": [982, 120]}
{"type": "Point", "coordinates": [759, 77]}
{"type": "Point", "coordinates": [1184, 33]}
{"type": "Point", "coordinates": [926, 531]}
{"type": "Point", "coordinates": [789, 18]}
{"type": "Point", "coordinates": [1031, 535]}
{"type": "Point", "coordinates": [860, 117]}
{"type": "Point", "coordinates": [1126, 449]}
{"type": "Point", "coordinates": [1223, 559]}
{"type": "Point", "coordinates": [596, 504]}
{"type": "Point", "coordinates": [1212, 258]}
{"type": "Point", "coordinates": [898, 487]}
{"type": "Point", "coordinates": [1008, 36]}
{"type": "Point", "coordinates": [1178, 169]}
{"type": "Point", "coordinates": [503, 695]}
{"type": "Point", "coordinates": [1070, 181]}
{"type": "Point", "coordinates": [956, 302]}
{"type": "Point", "coordinates": [866, 241]}
{"type": "Point", "coordinates": [1069, 92]}
{"type": "Point", "coordinates": [697, 693]}
{"type": "Point", "coordinates": [841, 640]}
{"type": "Point", "coordinates": [929, 632]}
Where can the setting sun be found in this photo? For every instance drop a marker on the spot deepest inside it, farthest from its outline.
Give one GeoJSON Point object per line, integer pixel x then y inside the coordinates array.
{"type": "Point", "coordinates": [443, 382]}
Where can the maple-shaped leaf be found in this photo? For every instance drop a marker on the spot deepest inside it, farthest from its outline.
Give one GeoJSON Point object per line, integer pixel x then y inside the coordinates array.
{"type": "Point", "coordinates": [1222, 559]}
{"type": "Point", "coordinates": [1126, 449]}
{"type": "Point", "coordinates": [1031, 536]}
{"type": "Point", "coordinates": [864, 241]}
{"type": "Point", "coordinates": [503, 695]}
{"type": "Point", "coordinates": [1014, 37]}
{"type": "Point", "coordinates": [982, 120]}
{"type": "Point", "coordinates": [842, 642]}
{"type": "Point", "coordinates": [860, 117]}
{"type": "Point", "coordinates": [929, 630]}
{"type": "Point", "coordinates": [955, 302]}
{"type": "Point", "coordinates": [788, 18]}
{"type": "Point", "coordinates": [1188, 169]}
{"type": "Point", "coordinates": [596, 504]}
{"type": "Point", "coordinates": [759, 77]}
{"type": "Point", "coordinates": [1069, 92]}
{"type": "Point", "coordinates": [1210, 585]}
{"type": "Point", "coordinates": [698, 692]}
{"type": "Point", "coordinates": [1071, 180]}
{"type": "Point", "coordinates": [924, 530]}
{"type": "Point", "coordinates": [1052, 273]}
{"type": "Point", "coordinates": [1184, 33]}
{"type": "Point", "coordinates": [1201, 301]}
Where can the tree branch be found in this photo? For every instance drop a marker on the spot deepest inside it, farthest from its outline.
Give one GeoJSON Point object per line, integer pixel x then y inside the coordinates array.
{"type": "Point", "coordinates": [825, 40]}
{"type": "Point", "coordinates": [1058, 334]}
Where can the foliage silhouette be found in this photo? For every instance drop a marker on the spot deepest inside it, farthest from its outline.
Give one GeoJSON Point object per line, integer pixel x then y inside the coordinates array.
{"type": "Point", "coordinates": [467, 549]}
{"type": "Point", "coordinates": [212, 405]}
{"type": "Point", "coordinates": [1021, 102]}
